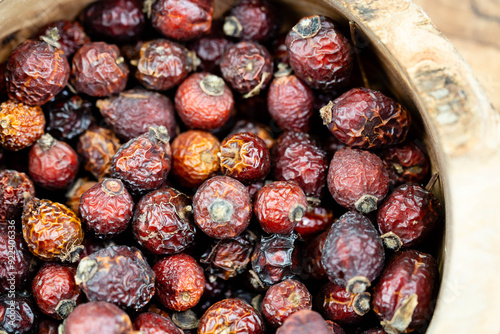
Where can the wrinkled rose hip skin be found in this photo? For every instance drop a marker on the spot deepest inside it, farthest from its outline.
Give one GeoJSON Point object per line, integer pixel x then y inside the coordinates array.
{"type": "Point", "coordinates": [163, 221]}
{"type": "Point", "coordinates": [153, 323]}
{"type": "Point", "coordinates": [18, 314]}
{"type": "Point", "coordinates": [279, 206]}
{"type": "Point", "coordinates": [260, 130]}
{"type": "Point", "coordinates": [71, 35]}
{"type": "Point", "coordinates": [14, 259]}
{"type": "Point", "coordinates": [55, 291]}
{"type": "Point", "coordinates": [245, 157]}
{"type": "Point", "coordinates": [118, 275]}
{"type": "Point", "coordinates": [97, 317]}
{"type": "Point", "coordinates": [231, 316]}
{"type": "Point", "coordinates": [52, 164]}
{"type": "Point", "coordinates": [255, 20]}
{"type": "Point", "coordinates": [357, 180]}
{"type": "Point", "coordinates": [13, 186]}
{"type": "Point", "coordinates": [319, 54]}
{"type": "Point", "coordinates": [20, 125]}
{"type": "Point", "coordinates": [36, 71]}
{"type": "Point", "coordinates": [304, 322]}
{"type": "Point", "coordinates": [182, 20]}
{"type": "Point", "coordinates": [68, 117]}
{"type": "Point", "coordinates": [366, 119]}
{"type": "Point", "coordinates": [403, 297]}
{"type": "Point", "coordinates": [132, 112]}
{"type": "Point", "coordinates": [407, 216]}
{"type": "Point", "coordinates": [179, 282]}
{"type": "Point", "coordinates": [99, 70]}
{"type": "Point", "coordinates": [353, 255]}
{"type": "Point", "coordinates": [312, 259]}
{"type": "Point", "coordinates": [316, 220]}
{"type": "Point", "coordinates": [204, 101]}
{"type": "Point", "coordinates": [222, 207]}
{"type": "Point", "coordinates": [143, 163]}
{"type": "Point", "coordinates": [209, 50]}
{"type": "Point", "coordinates": [51, 230]}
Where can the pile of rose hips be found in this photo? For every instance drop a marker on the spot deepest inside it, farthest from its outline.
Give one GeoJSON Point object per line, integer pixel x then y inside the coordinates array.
{"type": "Point", "coordinates": [183, 211]}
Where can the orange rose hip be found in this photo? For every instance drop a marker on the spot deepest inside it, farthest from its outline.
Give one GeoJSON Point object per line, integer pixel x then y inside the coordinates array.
{"type": "Point", "coordinates": [20, 125]}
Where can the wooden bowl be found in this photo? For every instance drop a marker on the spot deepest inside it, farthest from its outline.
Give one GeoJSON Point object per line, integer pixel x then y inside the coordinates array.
{"type": "Point", "coordinates": [457, 122]}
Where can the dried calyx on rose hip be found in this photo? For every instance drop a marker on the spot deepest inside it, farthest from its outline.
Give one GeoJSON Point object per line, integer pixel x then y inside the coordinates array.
{"type": "Point", "coordinates": [13, 186]}
{"type": "Point", "coordinates": [149, 322]}
{"type": "Point", "coordinates": [118, 275]}
{"type": "Point", "coordinates": [20, 125]}
{"type": "Point", "coordinates": [353, 255]}
{"type": "Point", "coordinates": [304, 322]}
{"type": "Point", "coordinates": [18, 315]}
{"type": "Point", "coordinates": [71, 35]}
{"type": "Point", "coordinates": [68, 117]}
{"type": "Point", "coordinates": [366, 119]}
{"type": "Point", "coordinates": [13, 254]}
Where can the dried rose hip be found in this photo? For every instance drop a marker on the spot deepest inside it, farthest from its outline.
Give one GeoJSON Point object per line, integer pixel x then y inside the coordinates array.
{"type": "Point", "coordinates": [36, 71]}
{"type": "Point", "coordinates": [284, 299]}
{"type": "Point", "coordinates": [335, 329]}
{"type": "Point", "coordinates": [48, 326]}
{"type": "Point", "coordinates": [55, 291]}
{"type": "Point", "coordinates": [153, 323]}
{"type": "Point", "coordinates": [290, 103]}
{"type": "Point", "coordinates": [143, 163]}
{"type": "Point", "coordinates": [71, 35]}
{"type": "Point", "coordinates": [97, 317]}
{"type": "Point", "coordinates": [252, 20]}
{"type": "Point", "coordinates": [367, 119]}
{"type": "Point", "coordinates": [231, 316]}
{"type": "Point", "coordinates": [403, 297]}
{"type": "Point", "coordinates": [132, 112]}
{"type": "Point", "coordinates": [51, 230]}
{"type": "Point", "coordinates": [14, 259]}
{"type": "Point", "coordinates": [222, 207]}
{"type": "Point", "coordinates": [276, 258]}
{"type": "Point", "coordinates": [353, 255]}
{"type": "Point", "coordinates": [209, 50]}
{"type": "Point", "coordinates": [163, 64]}
{"type": "Point", "coordinates": [407, 216]}
{"type": "Point", "coordinates": [163, 221]}
{"type": "Point", "coordinates": [304, 322]}
{"type": "Point", "coordinates": [312, 259]}
{"type": "Point", "coordinates": [118, 275]}
{"type": "Point", "coordinates": [99, 70]}
{"type": "Point", "coordinates": [194, 157]}
{"type": "Point", "coordinates": [13, 186]}
{"type": "Point", "coordinates": [245, 157]}
{"type": "Point", "coordinates": [114, 20]}
{"type": "Point", "coordinates": [247, 66]}
{"type": "Point", "coordinates": [298, 158]}
{"type": "Point", "coordinates": [182, 20]}
{"type": "Point", "coordinates": [357, 180]}
{"type": "Point", "coordinates": [279, 206]}
{"type": "Point", "coordinates": [68, 117]}
{"type": "Point", "coordinates": [106, 208]}
{"type": "Point", "coordinates": [260, 130]}
{"type": "Point", "coordinates": [179, 282]}
{"type": "Point", "coordinates": [96, 147]}
{"type": "Point", "coordinates": [17, 313]}
{"type": "Point", "coordinates": [20, 125]}
{"type": "Point", "coordinates": [53, 164]}
{"type": "Point", "coordinates": [315, 220]}
{"type": "Point", "coordinates": [204, 101]}
{"type": "Point", "coordinates": [319, 53]}
{"type": "Point", "coordinates": [73, 195]}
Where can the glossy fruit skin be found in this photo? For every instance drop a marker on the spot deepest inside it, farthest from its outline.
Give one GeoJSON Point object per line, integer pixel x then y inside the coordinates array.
{"type": "Point", "coordinates": [201, 108]}
{"type": "Point", "coordinates": [97, 317]}
{"type": "Point", "coordinates": [182, 20]}
{"type": "Point", "coordinates": [44, 218]}
{"type": "Point", "coordinates": [324, 60]}
{"type": "Point", "coordinates": [222, 207]}
{"type": "Point", "coordinates": [52, 164]}
{"type": "Point", "coordinates": [163, 221]}
{"type": "Point", "coordinates": [410, 212]}
{"type": "Point", "coordinates": [153, 323]}
{"type": "Point", "coordinates": [409, 277]}
{"type": "Point", "coordinates": [209, 50]}
{"type": "Point", "coordinates": [118, 275]}
{"type": "Point", "coordinates": [284, 299]}
{"type": "Point", "coordinates": [20, 125]}
{"type": "Point", "coordinates": [14, 260]}
{"type": "Point", "coordinates": [297, 157]}
{"type": "Point", "coordinates": [255, 20]}
{"type": "Point", "coordinates": [245, 157]}
{"type": "Point", "coordinates": [99, 70]}
{"type": "Point", "coordinates": [36, 72]}
{"type": "Point", "coordinates": [23, 313]}
{"type": "Point", "coordinates": [97, 146]}
{"type": "Point", "coordinates": [260, 130]}
{"type": "Point", "coordinates": [143, 163]}
{"type": "Point", "coordinates": [366, 119]}
{"type": "Point", "coordinates": [335, 304]}
{"type": "Point", "coordinates": [106, 208]}
{"type": "Point", "coordinates": [247, 67]}
{"type": "Point", "coordinates": [71, 35]}
{"type": "Point", "coordinates": [68, 117]}
{"type": "Point", "coordinates": [279, 206]}
{"type": "Point", "coordinates": [316, 220]}
{"type": "Point", "coordinates": [55, 291]}
{"type": "Point", "coordinates": [13, 185]}
{"type": "Point", "coordinates": [290, 103]}
{"type": "Point", "coordinates": [355, 174]}
{"type": "Point", "coordinates": [353, 249]}
{"type": "Point", "coordinates": [132, 112]}
{"type": "Point", "coordinates": [179, 282]}
{"type": "Point", "coordinates": [194, 157]}
{"type": "Point", "coordinates": [276, 258]}
{"type": "Point", "coordinates": [231, 316]}
{"type": "Point", "coordinates": [304, 322]}
{"type": "Point", "coordinates": [162, 64]}
{"type": "Point", "coordinates": [312, 260]}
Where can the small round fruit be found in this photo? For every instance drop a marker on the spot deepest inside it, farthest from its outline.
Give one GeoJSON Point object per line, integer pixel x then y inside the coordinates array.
{"type": "Point", "coordinates": [209, 49]}
{"type": "Point", "coordinates": [18, 315]}
{"type": "Point", "coordinates": [71, 35]}
{"type": "Point", "coordinates": [15, 260]}
{"type": "Point", "coordinates": [153, 323]}
{"type": "Point", "coordinates": [311, 261]}
{"type": "Point", "coordinates": [14, 186]}
{"type": "Point", "coordinates": [304, 322]}
{"type": "Point", "coordinates": [68, 117]}
{"type": "Point", "coordinates": [20, 125]}
{"type": "Point", "coordinates": [260, 130]}
{"type": "Point", "coordinates": [255, 20]}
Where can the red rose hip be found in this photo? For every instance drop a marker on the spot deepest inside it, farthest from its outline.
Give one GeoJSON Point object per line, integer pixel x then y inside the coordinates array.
{"type": "Point", "coordinates": [71, 35]}
{"type": "Point", "coordinates": [304, 322]}
{"type": "Point", "coordinates": [18, 315]}
{"type": "Point", "coordinates": [153, 323]}
{"type": "Point", "coordinates": [13, 186]}
{"type": "Point", "coordinates": [260, 130]}
{"type": "Point", "coordinates": [15, 260]}
{"type": "Point", "coordinates": [255, 20]}
{"type": "Point", "coordinates": [209, 49]}
{"type": "Point", "coordinates": [68, 117]}
{"type": "Point", "coordinates": [316, 220]}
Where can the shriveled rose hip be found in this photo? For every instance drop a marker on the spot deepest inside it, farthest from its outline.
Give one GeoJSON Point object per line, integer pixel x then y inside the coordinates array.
{"type": "Point", "coordinates": [71, 35]}
{"type": "Point", "coordinates": [260, 130]}
{"type": "Point", "coordinates": [353, 255]}
{"type": "Point", "coordinates": [358, 180]}
{"type": "Point", "coordinates": [68, 117]}
{"type": "Point", "coordinates": [255, 20]}
{"type": "Point", "coordinates": [312, 259]}
{"type": "Point", "coordinates": [20, 125]}
{"type": "Point", "coordinates": [13, 186]}
{"type": "Point", "coordinates": [15, 260]}
{"type": "Point", "coordinates": [18, 314]}
{"type": "Point", "coordinates": [209, 50]}
{"type": "Point", "coordinates": [304, 322]}
{"type": "Point", "coordinates": [316, 220]}
{"type": "Point", "coordinates": [153, 323]}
